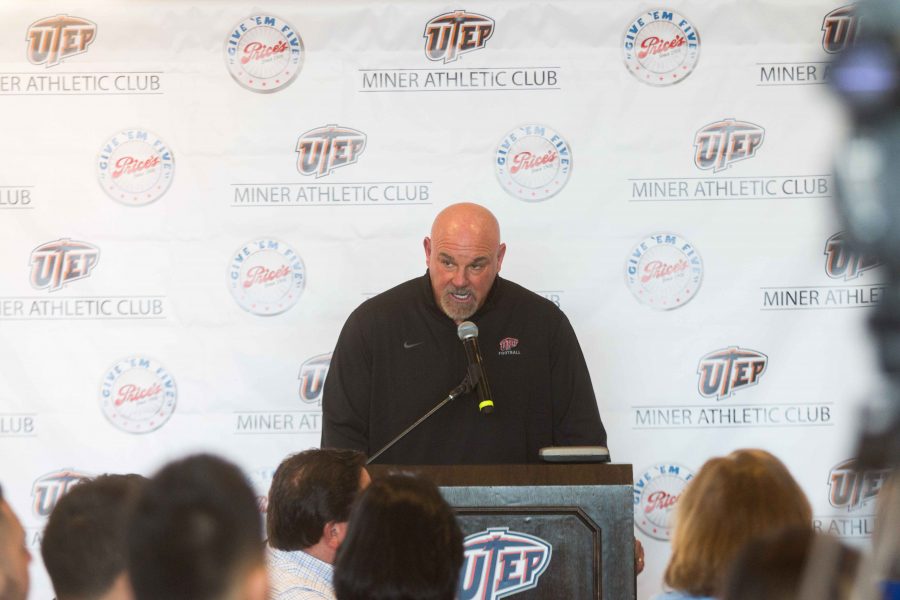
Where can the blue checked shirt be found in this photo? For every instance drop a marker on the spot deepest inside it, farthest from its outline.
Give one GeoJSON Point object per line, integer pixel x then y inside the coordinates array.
{"type": "Point", "coordinates": [298, 576]}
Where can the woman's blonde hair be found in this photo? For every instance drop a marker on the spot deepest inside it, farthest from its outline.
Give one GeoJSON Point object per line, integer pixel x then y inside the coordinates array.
{"type": "Point", "coordinates": [731, 500]}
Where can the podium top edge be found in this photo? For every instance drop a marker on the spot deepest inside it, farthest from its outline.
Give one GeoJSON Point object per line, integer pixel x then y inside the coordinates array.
{"type": "Point", "coordinates": [515, 475]}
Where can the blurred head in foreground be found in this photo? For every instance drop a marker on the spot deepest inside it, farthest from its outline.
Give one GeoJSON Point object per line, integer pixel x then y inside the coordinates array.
{"type": "Point", "coordinates": [774, 566]}
{"type": "Point", "coordinates": [731, 500]}
{"type": "Point", "coordinates": [84, 543]}
{"type": "Point", "coordinates": [196, 535]}
{"type": "Point", "coordinates": [403, 543]}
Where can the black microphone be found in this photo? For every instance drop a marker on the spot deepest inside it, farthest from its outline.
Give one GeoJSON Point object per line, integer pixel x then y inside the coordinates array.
{"type": "Point", "coordinates": [468, 333]}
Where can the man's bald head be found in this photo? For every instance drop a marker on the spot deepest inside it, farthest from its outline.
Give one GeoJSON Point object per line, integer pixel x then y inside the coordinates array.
{"type": "Point", "coordinates": [466, 220]}
{"type": "Point", "coordinates": [464, 255]}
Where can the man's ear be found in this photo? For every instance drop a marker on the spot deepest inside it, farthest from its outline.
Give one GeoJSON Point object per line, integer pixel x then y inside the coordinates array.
{"type": "Point", "coordinates": [334, 534]}
{"type": "Point", "coordinates": [427, 244]}
{"type": "Point", "coordinates": [501, 252]}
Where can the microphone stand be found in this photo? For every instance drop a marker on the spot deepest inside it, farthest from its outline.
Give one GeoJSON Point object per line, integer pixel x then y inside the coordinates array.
{"type": "Point", "coordinates": [470, 381]}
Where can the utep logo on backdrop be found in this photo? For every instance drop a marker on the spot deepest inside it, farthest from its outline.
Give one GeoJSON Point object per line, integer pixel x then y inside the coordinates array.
{"type": "Point", "coordinates": [852, 489]}
{"type": "Point", "coordinates": [533, 162]}
{"type": "Point", "coordinates": [266, 277]}
{"type": "Point", "coordinates": [726, 371]}
{"type": "Point", "coordinates": [49, 488]}
{"type": "Point", "coordinates": [450, 35]}
{"type": "Point", "coordinates": [312, 378]}
{"type": "Point", "coordinates": [264, 53]}
{"type": "Point", "coordinates": [135, 167]}
{"type": "Point", "coordinates": [56, 38]}
{"type": "Point", "coordinates": [841, 262]}
{"type": "Point", "coordinates": [138, 395]}
{"type": "Point", "coordinates": [324, 149]}
{"type": "Point", "coordinates": [500, 563]}
{"type": "Point", "coordinates": [723, 143]}
{"type": "Point", "coordinates": [661, 47]}
{"type": "Point", "coordinates": [656, 493]}
{"type": "Point", "coordinates": [61, 262]}
{"type": "Point", "coordinates": [840, 27]}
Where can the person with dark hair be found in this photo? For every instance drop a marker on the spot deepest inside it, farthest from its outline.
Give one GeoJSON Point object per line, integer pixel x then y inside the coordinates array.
{"type": "Point", "coordinates": [309, 504]}
{"type": "Point", "coordinates": [731, 500]}
{"type": "Point", "coordinates": [774, 567]}
{"type": "Point", "coordinates": [14, 555]}
{"type": "Point", "coordinates": [403, 543]}
{"type": "Point", "coordinates": [196, 534]}
{"type": "Point", "coordinates": [84, 541]}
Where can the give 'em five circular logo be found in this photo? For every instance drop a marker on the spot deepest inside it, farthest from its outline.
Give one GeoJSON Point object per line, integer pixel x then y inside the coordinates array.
{"type": "Point", "coordinates": [656, 492]}
{"type": "Point", "coordinates": [664, 271]}
{"type": "Point", "coordinates": [138, 395]}
{"type": "Point", "coordinates": [135, 167]}
{"type": "Point", "coordinates": [533, 162]}
{"type": "Point", "coordinates": [264, 53]}
{"type": "Point", "coordinates": [266, 277]}
{"type": "Point", "coordinates": [661, 47]}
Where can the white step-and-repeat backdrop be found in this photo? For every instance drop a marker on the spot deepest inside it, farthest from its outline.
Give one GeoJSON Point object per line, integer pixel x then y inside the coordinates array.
{"type": "Point", "coordinates": [194, 197]}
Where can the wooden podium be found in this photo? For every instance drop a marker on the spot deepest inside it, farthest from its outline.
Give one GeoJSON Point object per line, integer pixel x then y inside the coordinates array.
{"type": "Point", "coordinates": [548, 531]}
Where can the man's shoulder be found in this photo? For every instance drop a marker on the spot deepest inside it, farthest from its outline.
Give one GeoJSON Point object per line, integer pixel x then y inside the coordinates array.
{"type": "Point", "coordinates": [295, 575]}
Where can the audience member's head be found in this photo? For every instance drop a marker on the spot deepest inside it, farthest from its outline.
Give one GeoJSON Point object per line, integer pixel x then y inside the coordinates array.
{"type": "Point", "coordinates": [84, 543]}
{"type": "Point", "coordinates": [196, 535]}
{"type": "Point", "coordinates": [731, 500]}
{"type": "Point", "coordinates": [310, 500]}
{"type": "Point", "coordinates": [14, 555]}
{"type": "Point", "coordinates": [774, 567]}
{"type": "Point", "coordinates": [403, 543]}
{"type": "Point", "coordinates": [885, 542]}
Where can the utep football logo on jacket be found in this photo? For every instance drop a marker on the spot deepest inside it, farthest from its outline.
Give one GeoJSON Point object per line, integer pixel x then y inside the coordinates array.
{"type": "Point", "coordinates": [324, 149]}
{"type": "Point", "coordinates": [500, 563]}
{"type": "Point", "coordinates": [839, 29]}
{"type": "Point", "coordinates": [452, 34]}
{"type": "Point", "coordinates": [54, 39]}
{"type": "Point", "coordinates": [723, 372]}
{"type": "Point", "coordinates": [723, 143]}
{"type": "Point", "coordinates": [841, 262]}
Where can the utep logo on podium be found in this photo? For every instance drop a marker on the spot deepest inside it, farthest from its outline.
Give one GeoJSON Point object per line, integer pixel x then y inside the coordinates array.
{"type": "Point", "coordinates": [499, 563]}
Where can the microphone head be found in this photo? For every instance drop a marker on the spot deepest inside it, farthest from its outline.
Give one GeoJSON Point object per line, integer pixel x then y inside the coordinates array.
{"type": "Point", "coordinates": [466, 330]}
